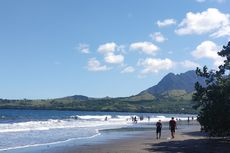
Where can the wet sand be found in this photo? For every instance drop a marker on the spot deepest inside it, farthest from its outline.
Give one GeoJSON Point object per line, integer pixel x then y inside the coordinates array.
{"type": "Point", "coordinates": [189, 140]}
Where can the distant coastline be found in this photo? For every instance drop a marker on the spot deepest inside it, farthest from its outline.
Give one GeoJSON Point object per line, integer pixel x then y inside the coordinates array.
{"type": "Point", "coordinates": [173, 94]}
{"type": "Point", "coordinates": [181, 107]}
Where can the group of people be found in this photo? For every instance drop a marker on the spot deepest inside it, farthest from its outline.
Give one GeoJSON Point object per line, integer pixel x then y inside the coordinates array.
{"type": "Point", "coordinates": [192, 118]}
{"type": "Point", "coordinates": [135, 118]}
{"type": "Point", "coordinates": [172, 128]}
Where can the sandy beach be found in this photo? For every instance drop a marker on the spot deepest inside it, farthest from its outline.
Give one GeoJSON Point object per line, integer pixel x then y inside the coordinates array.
{"type": "Point", "coordinates": [189, 140]}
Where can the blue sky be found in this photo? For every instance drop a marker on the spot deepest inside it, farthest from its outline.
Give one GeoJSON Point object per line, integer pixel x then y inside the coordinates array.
{"type": "Point", "coordinates": [57, 48]}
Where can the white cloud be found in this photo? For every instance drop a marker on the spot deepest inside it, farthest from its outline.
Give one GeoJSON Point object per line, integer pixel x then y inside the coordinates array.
{"type": "Point", "coordinates": [146, 47]}
{"type": "Point", "coordinates": [189, 64]}
{"type": "Point", "coordinates": [107, 48]}
{"type": "Point", "coordinates": [84, 48]}
{"type": "Point", "coordinates": [154, 65]}
{"type": "Point", "coordinates": [224, 31]}
{"type": "Point", "coordinates": [95, 65]}
{"type": "Point", "coordinates": [128, 69]}
{"type": "Point", "coordinates": [208, 49]}
{"type": "Point", "coordinates": [114, 59]}
{"type": "Point", "coordinates": [158, 37]}
{"type": "Point", "coordinates": [211, 20]}
{"type": "Point", "coordinates": [166, 22]}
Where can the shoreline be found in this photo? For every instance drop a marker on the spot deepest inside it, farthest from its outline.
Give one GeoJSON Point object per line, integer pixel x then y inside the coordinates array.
{"type": "Point", "coordinates": [188, 140]}
{"type": "Point", "coordinates": [40, 130]}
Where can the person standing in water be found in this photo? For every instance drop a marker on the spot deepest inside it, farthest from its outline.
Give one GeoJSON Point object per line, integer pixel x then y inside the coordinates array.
{"type": "Point", "coordinates": [158, 129]}
{"type": "Point", "coordinates": [172, 127]}
{"type": "Point", "coordinates": [188, 120]}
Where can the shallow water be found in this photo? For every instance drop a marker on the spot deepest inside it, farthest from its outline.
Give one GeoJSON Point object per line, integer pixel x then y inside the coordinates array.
{"type": "Point", "coordinates": [22, 130]}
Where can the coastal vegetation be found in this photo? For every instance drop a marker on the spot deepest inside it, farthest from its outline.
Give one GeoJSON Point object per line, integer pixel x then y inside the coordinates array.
{"type": "Point", "coordinates": [173, 94]}
{"type": "Point", "coordinates": [168, 104]}
{"type": "Point", "coordinates": [213, 99]}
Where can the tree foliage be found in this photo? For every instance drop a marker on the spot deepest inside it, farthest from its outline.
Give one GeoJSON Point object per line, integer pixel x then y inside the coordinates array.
{"type": "Point", "coordinates": [213, 100]}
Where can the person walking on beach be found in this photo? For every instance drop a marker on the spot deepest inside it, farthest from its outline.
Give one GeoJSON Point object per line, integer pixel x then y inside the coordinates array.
{"type": "Point", "coordinates": [172, 127]}
{"type": "Point", "coordinates": [158, 129]}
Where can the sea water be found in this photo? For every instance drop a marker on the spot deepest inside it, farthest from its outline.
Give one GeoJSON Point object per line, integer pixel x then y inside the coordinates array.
{"type": "Point", "coordinates": [21, 129]}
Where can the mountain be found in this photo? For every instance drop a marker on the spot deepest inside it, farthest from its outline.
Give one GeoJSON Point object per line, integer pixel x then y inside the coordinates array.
{"type": "Point", "coordinates": [173, 94]}
{"type": "Point", "coordinates": [171, 86]}
{"type": "Point", "coordinates": [172, 82]}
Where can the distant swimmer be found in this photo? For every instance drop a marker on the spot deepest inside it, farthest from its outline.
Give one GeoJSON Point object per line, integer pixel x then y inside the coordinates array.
{"type": "Point", "coordinates": [135, 119]}
{"type": "Point", "coordinates": [141, 117]}
{"type": "Point", "coordinates": [172, 127]}
{"type": "Point", "coordinates": [148, 118]}
{"type": "Point", "coordinates": [106, 118]}
{"type": "Point", "coordinates": [158, 129]}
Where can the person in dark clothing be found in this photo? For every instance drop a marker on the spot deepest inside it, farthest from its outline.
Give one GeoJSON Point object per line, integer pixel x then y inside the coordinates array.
{"type": "Point", "coordinates": [158, 129]}
{"type": "Point", "coordinates": [172, 127]}
{"type": "Point", "coordinates": [135, 119]}
{"type": "Point", "coordinates": [188, 120]}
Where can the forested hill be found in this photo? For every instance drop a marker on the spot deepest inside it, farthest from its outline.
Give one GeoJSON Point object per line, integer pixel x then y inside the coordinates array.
{"type": "Point", "coordinates": [172, 94]}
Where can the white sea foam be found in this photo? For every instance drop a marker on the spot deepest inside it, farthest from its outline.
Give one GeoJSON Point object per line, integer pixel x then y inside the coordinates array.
{"type": "Point", "coordinates": [55, 131]}
{"type": "Point", "coordinates": [94, 117]}
{"type": "Point", "coordinates": [86, 121]}
{"type": "Point", "coordinates": [50, 143]}
{"type": "Point", "coordinates": [72, 130]}
{"type": "Point", "coordinates": [59, 124]}
{"type": "Point", "coordinates": [163, 117]}
{"type": "Point", "coordinates": [124, 116]}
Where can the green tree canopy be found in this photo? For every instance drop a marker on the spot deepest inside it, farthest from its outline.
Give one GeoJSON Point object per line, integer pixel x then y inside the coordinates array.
{"type": "Point", "coordinates": [213, 100]}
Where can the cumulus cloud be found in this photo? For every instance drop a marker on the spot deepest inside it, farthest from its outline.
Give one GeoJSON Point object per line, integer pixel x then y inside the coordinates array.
{"type": "Point", "coordinates": [154, 65]}
{"type": "Point", "coordinates": [84, 48]}
{"type": "Point", "coordinates": [128, 69]}
{"type": "Point", "coordinates": [211, 20]}
{"type": "Point", "coordinates": [189, 64]}
{"type": "Point", "coordinates": [224, 31]}
{"type": "Point", "coordinates": [114, 59]}
{"type": "Point", "coordinates": [166, 22]}
{"type": "Point", "coordinates": [107, 47]}
{"type": "Point", "coordinates": [158, 37]}
{"type": "Point", "coordinates": [146, 47]}
{"type": "Point", "coordinates": [108, 50]}
{"type": "Point", "coordinates": [95, 65]}
{"type": "Point", "coordinates": [208, 49]}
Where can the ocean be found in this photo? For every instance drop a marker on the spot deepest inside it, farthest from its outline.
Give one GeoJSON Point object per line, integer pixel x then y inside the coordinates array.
{"type": "Point", "coordinates": [34, 130]}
